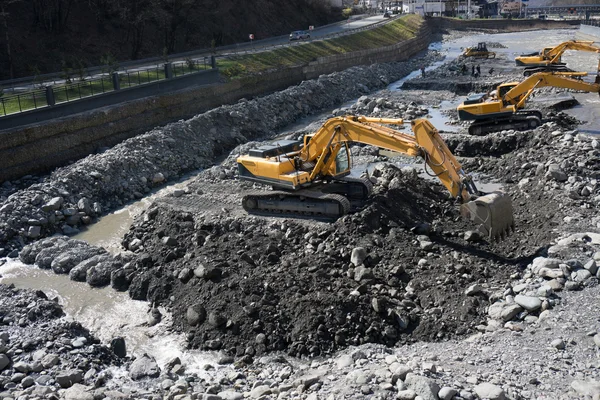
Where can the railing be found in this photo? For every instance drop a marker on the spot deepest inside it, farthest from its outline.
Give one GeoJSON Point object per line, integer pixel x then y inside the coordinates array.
{"type": "Point", "coordinates": [17, 103]}
{"type": "Point", "coordinates": [38, 96]}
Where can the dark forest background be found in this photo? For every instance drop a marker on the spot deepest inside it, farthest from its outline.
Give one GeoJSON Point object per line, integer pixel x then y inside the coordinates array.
{"type": "Point", "coordinates": [41, 36]}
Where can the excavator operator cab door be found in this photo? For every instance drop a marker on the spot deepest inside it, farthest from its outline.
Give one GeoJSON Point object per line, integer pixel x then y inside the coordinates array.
{"type": "Point", "coordinates": [342, 161]}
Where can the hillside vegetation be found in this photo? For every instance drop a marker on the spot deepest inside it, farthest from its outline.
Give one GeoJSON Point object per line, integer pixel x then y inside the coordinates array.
{"type": "Point", "coordinates": [53, 35]}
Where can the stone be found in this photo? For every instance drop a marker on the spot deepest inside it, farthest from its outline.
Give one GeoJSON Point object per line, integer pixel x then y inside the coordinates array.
{"type": "Point", "coordinates": [344, 361]}
{"type": "Point", "coordinates": [472, 236]}
{"type": "Point", "coordinates": [22, 367]}
{"type": "Point", "coordinates": [207, 272]}
{"type": "Point", "coordinates": [591, 266]}
{"type": "Point", "coordinates": [423, 386]}
{"type": "Point", "coordinates": [529, 303]}
{"type": "Point", "coordinates": [158, 178]}
{"type": "Point", "coordinates": [68, 378]}
{"type": "Point", "coordinates": [260, 391]}
{"type": "Point", "coordinates": [358, 256]}
{"type": "Point", "coordinates": [4, 361]}
{"type": "Point", "coordinates": [589, 388]}
{"type": "Point", "coordinates": [474, 290]}
{"type": "Point", "coordinates": [34, 232]}
{"type": "Point", "coordinates": [144, 367]}
{"type": "Point", "coordinates": [406, 394]}
{"type": "Point", "coordinates": [510, 311]}
{"type": "Point", "coordinates": [362, 272]}
{"type": "Point", "coordinates": [53, 205]}
{"type": "Point", "coordinates": [118, 346]}
{"type": "Point", "coordinates": [581, 275]}
{"type": "Point", "coordinates": [558, 344]}
{"type": "Point", "coordinates": [195, 315]}
{"type": "Point", "coordinates": [78, 392]}
{"type": "Point", "coordinates": [79, 342]}
{"type": "Point", "coordinates": [230, 395]}
{"type": "Point", "coordinates": [490, 391]}
{"type": "Point", "coordinates": [556, 173]}
{"type": "Point", "coordinates": [597, 340]}
{"type": "Point", "coordinates": [49, 360]}
{"type": "Point", "coordinates": [447, 393]}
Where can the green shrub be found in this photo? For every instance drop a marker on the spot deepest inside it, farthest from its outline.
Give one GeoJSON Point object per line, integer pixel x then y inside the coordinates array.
{"type": "Point", "coordinates": [347, 12]}
{"type": "Point", "coordinates": [234, 70]}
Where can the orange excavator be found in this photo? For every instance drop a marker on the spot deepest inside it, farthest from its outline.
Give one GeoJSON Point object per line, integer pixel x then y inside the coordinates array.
{"type": "Point", "coordinates": [549, 59]}
{"type": "Point", "coordinates": [311, 178]}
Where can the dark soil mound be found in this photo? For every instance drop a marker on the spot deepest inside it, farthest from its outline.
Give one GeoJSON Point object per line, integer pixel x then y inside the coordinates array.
{"type": "Point", "coordinates": [254, 285]}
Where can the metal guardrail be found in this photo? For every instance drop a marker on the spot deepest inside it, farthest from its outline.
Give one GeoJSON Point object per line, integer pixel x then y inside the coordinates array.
{"type": "Point", "coordinates": [102, 83]}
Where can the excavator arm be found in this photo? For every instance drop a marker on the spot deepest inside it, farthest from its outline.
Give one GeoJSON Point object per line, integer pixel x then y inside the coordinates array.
{"type": "Point", "coordinates": [554, 55]}
{"type": "Point", "coordinates": [549, 59]}
{"type": "Point", "coordinates": [426, 143]}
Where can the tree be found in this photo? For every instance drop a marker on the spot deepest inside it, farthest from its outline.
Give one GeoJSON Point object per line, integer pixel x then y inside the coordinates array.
{"type": "Point", "coordinates": [4, 4]}
{"type": "Point", "coordinates": [51, 15]}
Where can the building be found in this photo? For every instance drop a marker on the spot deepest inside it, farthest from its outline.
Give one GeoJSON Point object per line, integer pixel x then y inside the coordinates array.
{"type": "Point", "coordinates": [448, 8]}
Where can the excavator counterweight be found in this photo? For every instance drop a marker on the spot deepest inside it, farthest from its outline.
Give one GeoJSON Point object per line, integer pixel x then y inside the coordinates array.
{"type": "Point", "coordinates": [312, 178]}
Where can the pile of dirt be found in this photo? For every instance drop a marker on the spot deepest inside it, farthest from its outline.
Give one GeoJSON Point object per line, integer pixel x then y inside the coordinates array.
{"type": "Point", "coordinates": [251, 285]}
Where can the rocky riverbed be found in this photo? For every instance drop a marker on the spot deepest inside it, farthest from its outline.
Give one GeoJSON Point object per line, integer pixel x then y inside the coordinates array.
{"type": "Point", "coordinates": [402, 299]}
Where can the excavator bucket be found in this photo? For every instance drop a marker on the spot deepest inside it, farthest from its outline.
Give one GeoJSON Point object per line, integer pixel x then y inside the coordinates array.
{"type": "Point", "coordinates": [494, 214]}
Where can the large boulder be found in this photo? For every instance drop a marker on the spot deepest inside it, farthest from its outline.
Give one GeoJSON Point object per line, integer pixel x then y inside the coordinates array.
{"type": "Point", "coordinates": [79, 272]}
{"type": "Point", "coordinates": [99, 274]}
{"type": "Point", "coordinates": [78, 252]}
{"type": "Point", "coordinates": [144, 367]}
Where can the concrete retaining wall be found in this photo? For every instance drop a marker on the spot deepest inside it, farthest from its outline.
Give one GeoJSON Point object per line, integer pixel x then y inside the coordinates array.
{"type": "Point", "coordinates": [504, 25]}
{"type": "Point", "coordinates": [587, 32]}
{"type": "Point", "coordinates": [40, 147]}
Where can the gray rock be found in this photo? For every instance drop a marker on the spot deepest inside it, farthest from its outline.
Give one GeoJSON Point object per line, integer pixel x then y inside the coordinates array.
{"type": "Point", "coordinates": [196, 314]}
{"type": "Point", "coordinates": [79, 392]}
{"type": "Point", "coordinates": [407, 394]}
{"type": "Point", "coordinates": [528, 302]}
{"type": "Point", "coordinates": [68, 378]}
{"type": "Point", "coordinates": [22, 367]}
{"type": "Point", "coordinates": [556, 173]}
{"type": "Point", "coordinates": [423, 386]}
{"type": "Point", "coordinates": [359, 254]}
{"type": "Point", "coordinates": [597, 340]}
{"type": "Point", "coordinates": [589, 388]}
{"type": "Point", "coordinates": [362, 272]}
{"type": "Point", "coordinates": [79, 272]}
{"type": "Point", "coordinates": [230, 395]}
{"type": "Point", "coordinates": [28, 381]}
{"type": "Point", "coordinates": [260, 391]}
{"type": "Point", "coordinates": [474, 290]}
{"type": "Point", "coordinates": [99, 275]}
{"type": "Point", "coordinates": [447, 393]}
{"type": "Point", "coordinates": [144, 367]}
{"type": "Point", "coordinates": [472, 236]}
{"type": "Point", "coordinates": [591, 266]}
{"type": "Point", "coordinates": [53, 205]}
{"type": "Point", "coordinates": [581, 275]}
{"type": "Point", "coordinates": [34, 232]}
{"type": "Point", "coordinates": [207, 272]}
{"type": "Point", "coordinates": [49, 360]}
{"type": "Point", "coordinates": [79, 342]}
{"type": "Point", "coordinates": [510, 311]}
{"type": "Point", "coordinates": [558, 344]}
{"type": "Point", "coordinates": [490, 391]}
{"type": "Point", "coordinates": [4, 361]}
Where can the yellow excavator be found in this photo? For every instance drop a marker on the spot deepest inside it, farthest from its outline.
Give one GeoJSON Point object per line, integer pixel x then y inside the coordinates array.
{"type": "Point", "coordinates": [502, 108]}
{"type": "Point", "coordinates": [480, 51]}
{"type": "Point", "coordinates": [311, 178]}
{"type": "Point", "coordinates": [549, 59]}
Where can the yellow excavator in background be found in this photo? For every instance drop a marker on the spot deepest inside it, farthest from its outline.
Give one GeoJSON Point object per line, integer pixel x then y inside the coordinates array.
{"type": "Point", "coordinates": [480, 51]}
{"type": "Point", "coordinates": [312, 178]}
{"type": "Point", "coordinates": [549, 59]}
{"type": "Point", "coordinates": [502, 108]}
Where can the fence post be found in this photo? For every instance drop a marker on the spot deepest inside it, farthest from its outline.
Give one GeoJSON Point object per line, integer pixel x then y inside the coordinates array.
{"type": "Point", "coordinates": [168, 70]}
{"type": "Point", "coordinates": [50, 96]}
{"type": "Point", "coordinates": [213, 62]}
{"type": "Point", "coordinates": [116, 81]}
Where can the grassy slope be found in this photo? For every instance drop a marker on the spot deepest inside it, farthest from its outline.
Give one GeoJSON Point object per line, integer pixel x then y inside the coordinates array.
{"type": "Point", "coordinates": [401, 29]}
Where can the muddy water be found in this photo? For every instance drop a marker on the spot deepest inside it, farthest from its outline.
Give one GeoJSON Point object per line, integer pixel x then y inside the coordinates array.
{"type": "Point", "coordinates": [110, 314]}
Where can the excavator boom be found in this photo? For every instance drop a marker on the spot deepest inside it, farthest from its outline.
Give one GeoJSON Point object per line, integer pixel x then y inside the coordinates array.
{"type": "Point", "coordinates": [318, 170]}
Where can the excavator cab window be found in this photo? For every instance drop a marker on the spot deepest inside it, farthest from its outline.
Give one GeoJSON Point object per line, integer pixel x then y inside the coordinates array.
{"type": "Point", "coordinates": [342, 160]}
